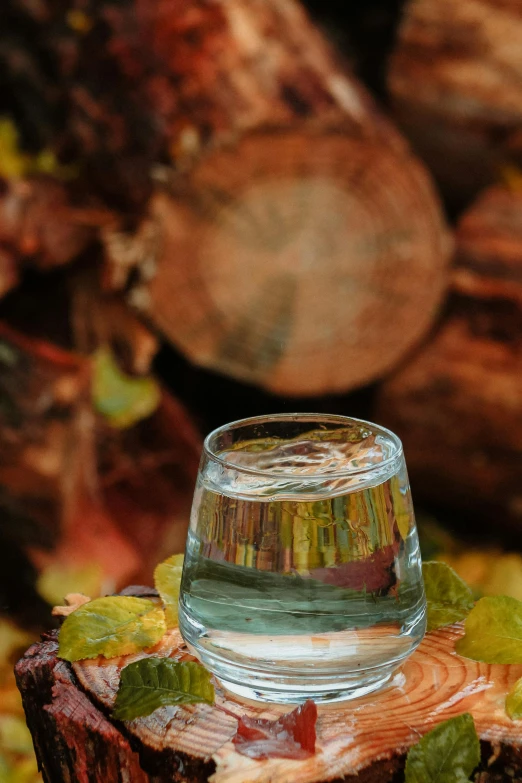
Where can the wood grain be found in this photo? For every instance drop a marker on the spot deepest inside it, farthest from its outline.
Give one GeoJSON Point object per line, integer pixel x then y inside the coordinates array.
{"type": "Point", "coordinates": [372, 733]}
{"type": "Point", "coordinates": [303, 261]}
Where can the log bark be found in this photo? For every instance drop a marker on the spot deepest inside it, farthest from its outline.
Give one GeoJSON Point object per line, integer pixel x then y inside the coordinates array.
{"type": "Point", "coordinates": [457, 405]}
{"type": "Point", "coordinates": [68, 711]}
{"type": "Point", "coordinates": [455, 79]}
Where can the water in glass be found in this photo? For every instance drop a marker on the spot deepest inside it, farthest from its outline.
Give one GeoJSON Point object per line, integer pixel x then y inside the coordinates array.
{"type": "Point", "coordinates": [302, 575]}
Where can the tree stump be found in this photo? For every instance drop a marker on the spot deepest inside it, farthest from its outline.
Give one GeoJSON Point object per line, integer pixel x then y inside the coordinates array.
{"type": "Point", "coordinates": [68, 712]}
{"type": "Point", "coordinates": [455, 79]}
{"type": "Point", "coordinates": [457, 405]}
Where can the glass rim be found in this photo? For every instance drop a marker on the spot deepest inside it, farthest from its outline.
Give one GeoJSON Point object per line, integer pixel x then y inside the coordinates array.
{"type": "Point", "coordinates": [326, 417]}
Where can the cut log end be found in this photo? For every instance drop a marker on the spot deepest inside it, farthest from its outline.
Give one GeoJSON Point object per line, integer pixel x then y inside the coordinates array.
{"type": "Point", "coordinates": [455, 84]}
{"type": "Point", "coordinates": [305, 262]}
{"type": "Point", "coordinates": [364, 740]}
{"type": "Point", "coordinates": [457, 405]}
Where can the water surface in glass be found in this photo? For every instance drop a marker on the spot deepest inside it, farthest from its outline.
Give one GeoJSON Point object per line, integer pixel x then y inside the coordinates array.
{"type": "Point", "coordinates": [302, 575]}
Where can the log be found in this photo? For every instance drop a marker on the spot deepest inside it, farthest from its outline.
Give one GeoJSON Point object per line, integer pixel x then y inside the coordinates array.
{"type": "Point", "coordinates": [454, 79]}
{"type": "Point", "coordinates": [457, 405]}
{"type": "Point", "coordinates": [68, 711]}
{"type": "Point", "coordinates": [289, 229]}
{"type": "Point", "coordinates": [294, 250]}
{"type": "Point", "coordinates": [312, 215]}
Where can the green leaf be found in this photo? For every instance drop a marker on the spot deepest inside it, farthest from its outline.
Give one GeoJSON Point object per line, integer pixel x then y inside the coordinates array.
{"type": "Point", "coordinates": [448, 596]}
{"type": "Point", "coordinates": [493, 631]}
{"type": "Point", "coordinates": [167, 579]}
{"type": "Point", "coordinates": [447, 754]}
{"type": "Point", "coordinates": [113, 626]}
{"type": "Point", "coordinates": [122, 399]}
{"type": "Point", "coordinates": [157, 682]}
{"type": "Point", "coordinates": [514, 701]}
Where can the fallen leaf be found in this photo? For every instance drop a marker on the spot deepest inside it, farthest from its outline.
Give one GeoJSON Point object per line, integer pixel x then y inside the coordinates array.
{"type": "Point", "coordinates": [122, 399]}
{"type": "Point", "coordinates": [113, 626]}
{"type": "Point", "coordinates": [447, 754]}
{"type": "Point", "coordinates": [167, 580]}
{"type": "Point", "coordinates": [291, 737]}
{"type": "Point", "coordinates": [150, 683]}
{"type": "Point", "coordinates": [493, 631]}
{"type": "Point", "coordinates": [448, 597]}
{"type": "Point", "coordinates": [514, 701]}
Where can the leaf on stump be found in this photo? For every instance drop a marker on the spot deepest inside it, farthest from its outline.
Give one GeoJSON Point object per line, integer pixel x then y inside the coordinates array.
{"type": "Point", "coordinates": [449, 598]}
{"type": "Point", "coordinates": [167, 580]}
{"type": "Point", "coordinates": [113, 626]}
{"type": "Point", "coordinates": [151, 683]}
{"type": "Point", "coordinates": [447, 754]}
{"type": "Point", "coordinates": [493, 631]}
{"type": "Point", "coordinates": [291, 737]}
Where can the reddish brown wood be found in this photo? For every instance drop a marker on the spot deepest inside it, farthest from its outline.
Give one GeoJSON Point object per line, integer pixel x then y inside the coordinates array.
{"type": "Point", "coordinates": [456, 87]}
{"type": "Point", "coordinates": [363, 740]}
{"type": "Point", "coordinates": [282, 247]}
{"type": "Point", "coordinates": [302, 216]}
{"type": "Point", "coordinates": [305, 261]}
{"type": "Point", "coordinates": [457, 405]}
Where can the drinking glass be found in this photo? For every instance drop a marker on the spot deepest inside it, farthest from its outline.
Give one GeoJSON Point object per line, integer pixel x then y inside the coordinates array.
{"type": "Point", "coordinates": [302, 575]}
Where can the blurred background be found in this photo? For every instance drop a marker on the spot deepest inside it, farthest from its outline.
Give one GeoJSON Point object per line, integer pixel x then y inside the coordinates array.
{"type": "Point", "coordinates": [212, 210]}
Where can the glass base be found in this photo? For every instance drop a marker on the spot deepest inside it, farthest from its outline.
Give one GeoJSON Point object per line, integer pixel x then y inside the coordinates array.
{"type": "Point", "coordinates": [293, 694]}
{"type": "Point", "coordinates": [293, 687]}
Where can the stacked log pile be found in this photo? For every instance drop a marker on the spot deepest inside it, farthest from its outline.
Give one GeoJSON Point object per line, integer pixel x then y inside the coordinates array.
{"type": "Point", "coordinates": [215, 169]}
{"type": "Point", "coordinates": [210, 175]}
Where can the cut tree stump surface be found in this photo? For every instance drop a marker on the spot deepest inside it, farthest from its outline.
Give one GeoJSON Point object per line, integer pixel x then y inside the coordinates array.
{"type": "Point", "coordinates": [68, 709]}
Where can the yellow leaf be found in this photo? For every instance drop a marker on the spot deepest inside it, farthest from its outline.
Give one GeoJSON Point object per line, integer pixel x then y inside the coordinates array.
{"type": "Point", "coordinates": [56, 581]}
{"type": "Point", "coordinates": [167, 579]}
{"type": "Point", "coordinates": [122, 399]}
{"type": "Point", "coordinates": [112, 626]}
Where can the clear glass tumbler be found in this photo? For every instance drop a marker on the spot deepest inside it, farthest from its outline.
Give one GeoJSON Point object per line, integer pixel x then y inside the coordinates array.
{"type": "Point", "coordinates": [302, 576]}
